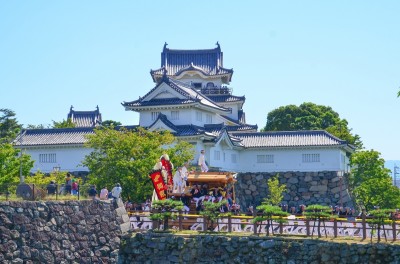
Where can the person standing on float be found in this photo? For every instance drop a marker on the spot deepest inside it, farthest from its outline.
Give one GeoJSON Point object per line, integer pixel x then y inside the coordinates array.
{"type": "Point", "coordinates": [202, 162]}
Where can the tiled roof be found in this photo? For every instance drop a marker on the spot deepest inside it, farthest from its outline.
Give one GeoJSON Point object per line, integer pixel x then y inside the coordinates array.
{"type": "Point", "coordinates": [57, 136]}
{"type": "Point", "coordinates": [189, 130]}
{"type": "Point", "coordinates": [164, 101]}
{"type": "Point", "coordinates": [53, 136]}
{"type": "Point", "coordinates": [190, 94]}
{"type": "Point", "coordinates": [85, 118]}
{"type": "Point", "coordinates": [208, 61]}
{"type": "Point", "coordinates": [289, 139]}
{"type": "Point", "coordinates": [226, 98]}
{"type": "Point", "coordinates": [216, 129]}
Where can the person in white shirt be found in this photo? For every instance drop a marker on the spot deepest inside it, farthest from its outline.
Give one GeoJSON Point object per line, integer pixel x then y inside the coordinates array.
{"type": "Point", "coordinates": [177, 181]}
{"type": "Point", "coordinates": [184, 174]}
{"type": "Point", "coordinates": [116, 191]}
{"type": "Point", "coordinates": [202, 162]}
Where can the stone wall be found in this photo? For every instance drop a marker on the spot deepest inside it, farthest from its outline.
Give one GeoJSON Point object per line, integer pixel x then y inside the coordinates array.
{"type": "Point", "coordinates": [61, 231]}
{"type": "Point", "coordinates": [325, 188]}
{"type": "Point", "coordinates": [166, 248]}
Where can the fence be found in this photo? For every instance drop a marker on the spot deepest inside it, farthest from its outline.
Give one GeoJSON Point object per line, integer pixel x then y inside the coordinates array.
{"type": "Point", "coordinates": [300, 226]}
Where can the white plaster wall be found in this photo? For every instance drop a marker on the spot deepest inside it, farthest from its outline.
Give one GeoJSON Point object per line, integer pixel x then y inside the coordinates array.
{"type": "Point", "coordinates": [67, 158]}
{"type": "Point", "coordinates": [291, 160]}
{"type": "Point", "coordinates": [225, 158]}
{"type": "Point", "coordinates": [185, 116]}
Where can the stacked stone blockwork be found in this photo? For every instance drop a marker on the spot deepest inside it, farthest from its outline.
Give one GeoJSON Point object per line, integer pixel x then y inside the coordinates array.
{"type": "Point", "coordinates": [61, 231]}
{"type": "Point", "coordinates": [325, 188]}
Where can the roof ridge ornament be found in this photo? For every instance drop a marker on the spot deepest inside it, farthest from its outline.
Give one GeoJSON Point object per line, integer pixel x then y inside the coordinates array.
{"type": "Point", "coordinates": [218, 47]}
{"type": "Point", "coordinates": [165, 46]}
{"type": "Point", "coordinates": [165, 76]}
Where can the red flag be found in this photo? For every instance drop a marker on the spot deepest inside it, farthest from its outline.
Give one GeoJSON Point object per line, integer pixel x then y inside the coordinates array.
{"type": "Point", "coordinates": [168, 167]}
{"type": "Point", "coordinates": [158, 184]}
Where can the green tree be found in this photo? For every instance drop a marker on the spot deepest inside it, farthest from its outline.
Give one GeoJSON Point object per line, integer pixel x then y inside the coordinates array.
{"type": "Point", "coordinates": [379, 218]}
{"type": "Point", "coordinates": [127, 157]}
{"type": "Point", "coordinates": [165, 210]}
{"type": "Point", "coordinates": [309, 116]}
{"type": "Point", "coordinates": [212, 212]}
{"type": "Point", "coordinates": [111, 123]}
{"type": "Point", "coordinates": [9, 127]}
{"type": "Point", "coordinates": [64, 124]}
{"type": "Point", "coordinates": [43, 179]}
{"type": "Point", "coordinates": [370, 182]}
{"type": "Point", "coordinates": [268, 212]}
{"type": "Point", "coordinates": [10, 165]}
{"type": "Point", "coordinates": [320, 214]}
{"type": "Point", "coordinates": [275, 190]}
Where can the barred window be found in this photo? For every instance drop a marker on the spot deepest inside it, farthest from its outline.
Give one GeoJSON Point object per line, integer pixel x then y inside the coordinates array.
{"type": "Point", "coordinates": [307, 158]}
{"type": "Point", "coordinates": [154, 115]}
{"type": "Point", "coordinates": [48, 158]}
{"type": "Point", "coordinates": [265, 158]}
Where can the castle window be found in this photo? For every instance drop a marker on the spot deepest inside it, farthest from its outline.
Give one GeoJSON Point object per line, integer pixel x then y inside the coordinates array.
{"type": "Point", "coordinates": [154, 115]}
{"type": "Point", "coordinates": [196, 85]}
{"type": "Point", "coordinates": [307, 158]}
{"type": "Point", "coordinates": [48, 158]}
{"type": "Point", "coordinates": [265, 158]}
{"type": "Point", "coordinates": [174, 115]}
{"type": "Point", "coordinates": [210, 85]}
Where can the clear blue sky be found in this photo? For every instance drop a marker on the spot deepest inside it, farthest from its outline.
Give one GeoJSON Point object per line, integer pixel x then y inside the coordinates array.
{"type": "Point", "coordinates": [343, 54]}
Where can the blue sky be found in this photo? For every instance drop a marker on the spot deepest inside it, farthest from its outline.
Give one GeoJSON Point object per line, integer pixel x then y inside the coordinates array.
{"type": "Point", "coordinates": [343, 54]}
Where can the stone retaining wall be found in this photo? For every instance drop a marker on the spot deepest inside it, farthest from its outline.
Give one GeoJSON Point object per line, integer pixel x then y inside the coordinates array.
{"type": "Point", "coordinates": [166, 248]}
{"type": "Point", "coordinates": [325, 188]}
{"type": "Point", "coordinates": [61, 231]}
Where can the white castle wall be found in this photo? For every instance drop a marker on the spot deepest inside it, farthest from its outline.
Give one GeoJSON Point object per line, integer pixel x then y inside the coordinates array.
{"type": "Point", "coordinates": [67, 158]}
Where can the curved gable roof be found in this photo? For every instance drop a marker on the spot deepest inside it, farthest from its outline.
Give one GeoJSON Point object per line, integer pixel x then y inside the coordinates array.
{"type": "Point", "coordinates": [207, 61]}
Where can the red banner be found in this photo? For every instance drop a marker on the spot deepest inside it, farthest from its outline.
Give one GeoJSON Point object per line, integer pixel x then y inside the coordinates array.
{"type": "Point", "coordinates": [158, 183]}
{"type": "Point", "coordinates": [168, 167]}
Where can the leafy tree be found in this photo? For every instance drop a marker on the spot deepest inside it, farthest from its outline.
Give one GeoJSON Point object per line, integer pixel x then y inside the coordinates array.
{"type": "Point", "coordinates": [276, 190]}
{"type": "Point", "coordinates": [9, 127]}
{"type": "Point", "coordinates": [165, 210]}
{"type": "Point", "coordinates": [10, 164]}
{"type": "Point", "coordinates": [64, 124]}
{"type": "Point", "coordinates": [370, 182]}
{"type": "Point", "coordinates": [268, 212]}
{"type": "Point", "coordinates": [309, 116]}
{"type": "Point", "coordinates": [43, 179]}
{"type": "Point", "coordinates": [320, 214]}
{"type": "Point", "coordinates": [111, 123]}
{"type": "Point", "coordinates": [378, 219]}
{"type": "Point", "coordinates": [127, 156]}
{"type": "Point", "coordinates": [212, 211]}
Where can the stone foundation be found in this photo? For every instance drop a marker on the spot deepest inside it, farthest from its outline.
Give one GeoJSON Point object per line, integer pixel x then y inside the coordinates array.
{"type": "Point", "coordinates": [61, 231]}
{"type": "Point", "coordinates": [165, 248]}
{"type": "Point", "coordinates": [324, 188]}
